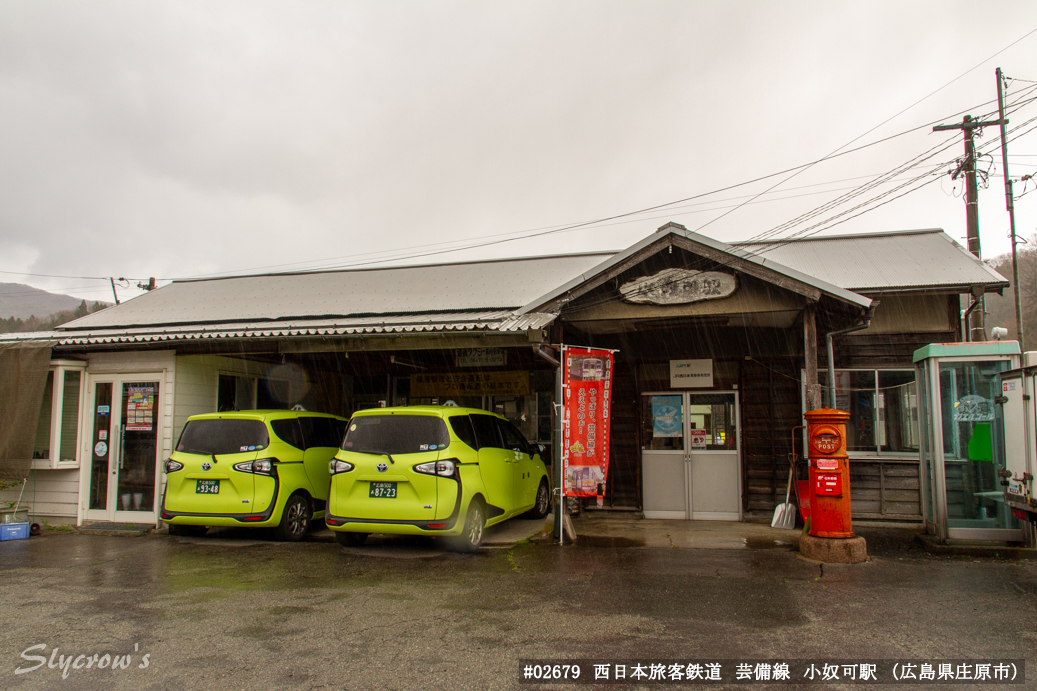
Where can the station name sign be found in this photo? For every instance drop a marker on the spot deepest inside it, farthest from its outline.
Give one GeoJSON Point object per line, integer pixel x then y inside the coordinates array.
{"type": "Point", "coordinates": [691, 374]}
{"type": "Point", "coordinates": [679, 287]}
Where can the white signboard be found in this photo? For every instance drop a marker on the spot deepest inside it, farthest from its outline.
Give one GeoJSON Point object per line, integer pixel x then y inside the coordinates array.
{"type": "Point", "coordinates": [691, 374]}
{"type": "Point", "coordinates": [698, 438]}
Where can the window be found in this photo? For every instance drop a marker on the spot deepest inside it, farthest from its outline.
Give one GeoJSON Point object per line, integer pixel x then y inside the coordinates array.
{"type": "Point", "coordinates": [57, 432]}
{"type": "Point", "coordinates": [486, 431]}
{"type": "Point", "coordinates": [462, 427]}
{"type": "Point", "coordinates": [223, 436]}
{"type": "Point", "coordinates": [513, 440]}
{"type": "Point", "coordinates": [235, 393]}
{"type": "Point", "coordinates": [396, 434]}
{"type": "Point", "coordinates": [245, 392]}
{"type": "Point", "coordinates": [322, 432]}
{"type": "Point", "coordinates": [290, 432]}
{"type": "Point", "coordinates": [883, 407]}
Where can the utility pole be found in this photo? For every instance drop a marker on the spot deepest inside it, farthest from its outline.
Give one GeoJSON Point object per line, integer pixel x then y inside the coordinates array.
{"type": "Point", "coordinates": [968, 169]}
{"type": "Point", "coordinates": [1010, 205]}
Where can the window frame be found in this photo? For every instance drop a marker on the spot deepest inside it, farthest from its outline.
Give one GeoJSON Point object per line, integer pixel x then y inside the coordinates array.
{"type": "Point", "coordinates": [57, 401]}
{"type": "Point", "coordinates": [876, 371]}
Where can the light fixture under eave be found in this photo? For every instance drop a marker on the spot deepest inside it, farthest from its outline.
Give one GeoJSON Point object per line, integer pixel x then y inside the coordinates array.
{"type": "Point", "coordinates": [396, 361]}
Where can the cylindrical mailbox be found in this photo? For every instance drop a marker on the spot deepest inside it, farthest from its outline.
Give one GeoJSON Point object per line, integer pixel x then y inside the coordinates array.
{"type": "Point", "coordinates": [829, 473]}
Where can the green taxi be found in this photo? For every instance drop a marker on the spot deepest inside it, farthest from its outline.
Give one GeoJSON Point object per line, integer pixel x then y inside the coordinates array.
{"type": "Point", "coordinates": [433, 470]}
{"type": "Point", "coordinates": [258, 468]}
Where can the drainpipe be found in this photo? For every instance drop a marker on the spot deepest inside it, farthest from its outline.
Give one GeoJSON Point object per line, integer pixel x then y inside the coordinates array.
{"type": "Point", "coordinates": [831, 351]}
{"type": "Point", "coordinates": [966, 324]}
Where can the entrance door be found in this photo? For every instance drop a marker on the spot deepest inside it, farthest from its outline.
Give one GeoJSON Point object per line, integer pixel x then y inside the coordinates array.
{"type": "Point", "coordinates": [120, 482]}
{"type": "Point", "coordinates": [691, 465]}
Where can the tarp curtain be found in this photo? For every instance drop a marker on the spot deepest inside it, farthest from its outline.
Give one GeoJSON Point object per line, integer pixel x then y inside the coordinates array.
{"type": "Point", "coordinates": [23, 376]}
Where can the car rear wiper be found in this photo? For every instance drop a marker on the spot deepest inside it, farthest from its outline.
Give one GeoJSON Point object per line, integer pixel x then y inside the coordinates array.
{"type": "Point", "coordinates": [375, 453]}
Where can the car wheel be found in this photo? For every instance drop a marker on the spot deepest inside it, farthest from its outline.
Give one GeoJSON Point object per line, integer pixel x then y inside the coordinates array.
{"type": "Point", "coordinates": [542, 503]}
{"type": "Point", "coordinates": [474, 524]}
{"type": "Point", "coordinates": [350, 539]}
{"type": "Point", "coordinates": [295, 519]}
{"type": "Point", "coordinates": [187, 530]}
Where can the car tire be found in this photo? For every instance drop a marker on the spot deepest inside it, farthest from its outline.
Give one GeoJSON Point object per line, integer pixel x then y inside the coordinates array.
{"type": "Point", "coordinates": [187, 530]}
{"type": "Point", "coordinates": [471, 535]}
{"type": "Point", "coordinates": [541, 504]}
{"type": "Point", "coordinates": [350, 539]}
{"type": "Point", "coordinates": [295, 519]}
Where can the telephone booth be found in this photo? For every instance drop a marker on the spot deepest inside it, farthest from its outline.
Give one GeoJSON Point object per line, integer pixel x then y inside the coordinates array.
{"type": "Point", "coordinates": [958, 389]}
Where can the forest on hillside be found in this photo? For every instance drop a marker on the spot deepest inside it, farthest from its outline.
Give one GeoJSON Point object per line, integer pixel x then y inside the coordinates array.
{"type": "Point", "coordinates": [34, 323]}
{"type": "Point", "coordinates": [1001, 309]}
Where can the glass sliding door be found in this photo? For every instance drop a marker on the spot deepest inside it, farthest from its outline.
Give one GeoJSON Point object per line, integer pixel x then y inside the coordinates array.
{"type": "Point", "coordinates": [123, 429]}
{"type": "Point", "coordinates": [690, 458]}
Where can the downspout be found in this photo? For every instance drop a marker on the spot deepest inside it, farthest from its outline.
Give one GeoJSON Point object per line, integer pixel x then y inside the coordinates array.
{"type": "Point", "coordinates": [831, 350]}
{"type": "Point", "coordinates": [966, 324]}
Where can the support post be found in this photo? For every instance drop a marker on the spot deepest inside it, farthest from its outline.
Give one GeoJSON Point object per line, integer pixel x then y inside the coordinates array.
{"type": "Point", "coordinates": [813, 387]}
{"type": "Point", "coordinates": [1010, 205]}
{"type": "Point", "coordinates": [968, 126]}
{"type": "Point", "coordinates": [558, 408]}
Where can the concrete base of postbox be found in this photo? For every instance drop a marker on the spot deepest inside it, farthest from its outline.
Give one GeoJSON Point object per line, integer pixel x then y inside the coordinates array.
{"type": "Point", "coordinates": [834, 550]}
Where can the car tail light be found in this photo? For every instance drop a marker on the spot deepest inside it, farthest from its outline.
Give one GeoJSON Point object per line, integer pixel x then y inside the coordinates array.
{"type": "Point", "coordinates": [253, 519]}
{"type": "Point", "coordinates": [336, 466]}
{"type": "Point", "coordinates": [172, 466]}
{"type": "Point", "coordinates": [264, 466]}
{"type": "Point", "coordinates": [437, 526]}
{"type": "Point", "coordinates": [441, 468]}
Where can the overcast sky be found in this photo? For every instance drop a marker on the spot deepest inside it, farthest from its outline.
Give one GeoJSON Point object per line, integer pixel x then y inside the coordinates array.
{"type": "Point", "coordinates": [174, 139]}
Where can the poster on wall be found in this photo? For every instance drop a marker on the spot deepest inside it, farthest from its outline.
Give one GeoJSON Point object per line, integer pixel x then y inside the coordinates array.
{"type": "Point", "coordinates": [140, 408]}
{"type": "Point", "coordinates": [666, 416]}
{"type": "Point", "coordinates": [587, 397]}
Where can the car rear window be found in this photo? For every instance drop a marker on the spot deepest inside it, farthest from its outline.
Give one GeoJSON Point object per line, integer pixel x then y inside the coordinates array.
{"type": "Point", "coordinates": [223, 436]}
{"type": "Point", "coordinates": [395, 434]}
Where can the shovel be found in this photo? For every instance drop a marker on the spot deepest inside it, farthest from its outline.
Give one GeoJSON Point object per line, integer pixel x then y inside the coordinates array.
{"type": "Point", "coordinates": [785, 514]}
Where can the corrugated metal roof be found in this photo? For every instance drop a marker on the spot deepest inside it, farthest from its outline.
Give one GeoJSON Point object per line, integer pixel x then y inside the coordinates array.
{"type": "Point", "coordinates": [410, 290]}
{"type": "Point", "coordinates": [875, 262]}
{"type": "Point", "coordinates": [496, 321]}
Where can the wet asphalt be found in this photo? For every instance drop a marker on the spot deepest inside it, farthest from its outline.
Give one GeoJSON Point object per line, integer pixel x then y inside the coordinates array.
{"type": "Point", "coordinates": [235, 612]}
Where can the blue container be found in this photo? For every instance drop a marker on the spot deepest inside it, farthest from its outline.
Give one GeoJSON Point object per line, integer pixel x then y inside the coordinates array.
{"type": "Point", "coordinates": [14, 531]}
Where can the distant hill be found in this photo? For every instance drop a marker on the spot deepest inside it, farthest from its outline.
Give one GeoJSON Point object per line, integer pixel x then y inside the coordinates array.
{"type": "Point", "coordinates": [22, 301]}
{"type": "Point", "coordinates": [24, 308]}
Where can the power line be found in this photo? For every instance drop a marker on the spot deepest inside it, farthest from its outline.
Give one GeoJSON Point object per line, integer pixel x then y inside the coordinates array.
{"type": "Point", "coordinates": [548, 230]}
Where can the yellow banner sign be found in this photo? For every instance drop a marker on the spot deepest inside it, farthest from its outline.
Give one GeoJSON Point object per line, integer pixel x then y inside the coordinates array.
{"type": "Point", "coordinates": [470, 384]}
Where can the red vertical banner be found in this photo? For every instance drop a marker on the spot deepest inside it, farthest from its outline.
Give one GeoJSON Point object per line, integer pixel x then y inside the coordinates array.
{"type": "Point", "coordinates": [587, 399]}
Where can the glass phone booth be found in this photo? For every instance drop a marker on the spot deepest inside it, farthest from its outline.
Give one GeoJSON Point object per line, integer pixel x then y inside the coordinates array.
{"type": "Point", "coordinates": [962, 498]}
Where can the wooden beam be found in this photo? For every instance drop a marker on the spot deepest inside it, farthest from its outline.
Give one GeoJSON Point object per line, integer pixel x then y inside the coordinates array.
{"type": "Point", "coordinates": [747, 267]}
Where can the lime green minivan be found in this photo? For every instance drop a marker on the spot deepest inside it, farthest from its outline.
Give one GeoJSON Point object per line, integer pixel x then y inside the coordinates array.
{"type": "Point", "coordinates": [433, 470]}
{"type": "Point", "coordinates": [258, 468]}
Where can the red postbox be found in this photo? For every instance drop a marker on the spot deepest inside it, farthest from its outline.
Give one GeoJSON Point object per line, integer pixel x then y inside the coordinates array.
{"type": "Point", "coordinates": [829, 473]}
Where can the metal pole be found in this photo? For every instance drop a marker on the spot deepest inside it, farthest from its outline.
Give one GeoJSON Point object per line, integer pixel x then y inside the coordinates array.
{"type": "Point", "coordinates": [1010, 205]}
{"type": "Point", "coordinates": [831, 354]}
{"type": "Point", "coordinates": [559, 408]}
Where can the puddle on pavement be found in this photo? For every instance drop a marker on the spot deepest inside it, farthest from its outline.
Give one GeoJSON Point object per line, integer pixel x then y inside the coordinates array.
{"type": "Point", "coordinates": [608, 541]}
{"type": "Point", "coordinates": [766, 543]}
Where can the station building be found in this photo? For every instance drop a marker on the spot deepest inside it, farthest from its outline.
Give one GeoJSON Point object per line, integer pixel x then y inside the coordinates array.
{"type": "Point", "coordinates": [721, 348]}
